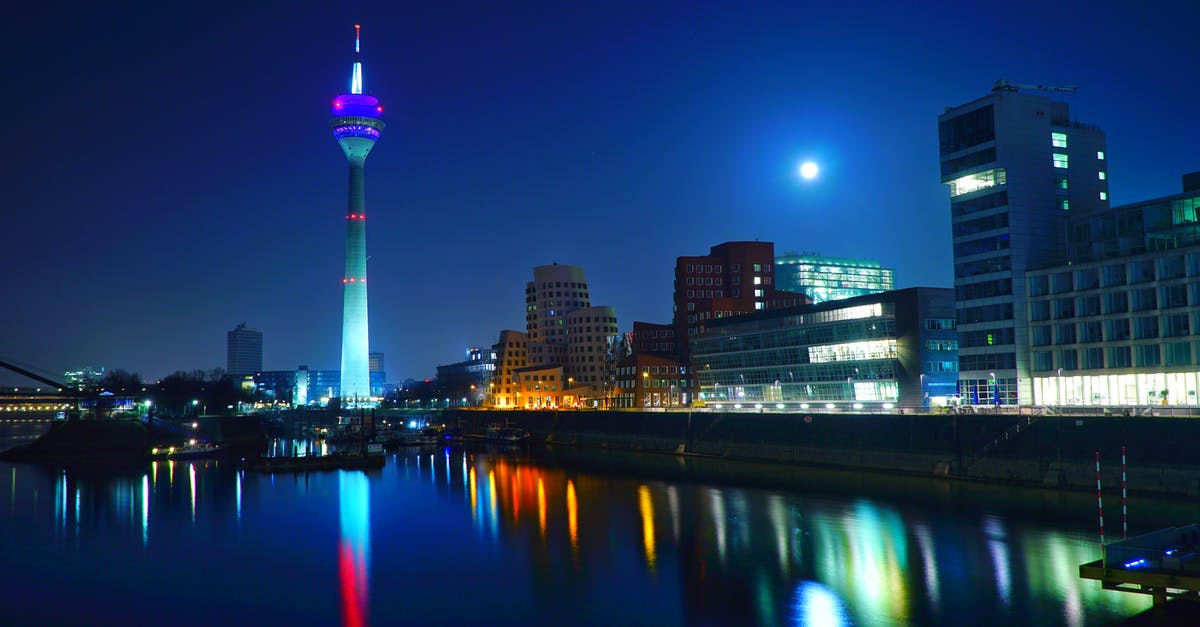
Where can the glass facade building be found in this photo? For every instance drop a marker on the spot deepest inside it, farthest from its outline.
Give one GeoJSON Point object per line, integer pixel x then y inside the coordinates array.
{"type": "Point", "coordinates": [1120, 325]}
{"type": "Point", "coordinates": [1016, 166]}
{"type": "Point", "coordinates": [823, 279]}
{"type": "Point", "coordinates": [894, 349]}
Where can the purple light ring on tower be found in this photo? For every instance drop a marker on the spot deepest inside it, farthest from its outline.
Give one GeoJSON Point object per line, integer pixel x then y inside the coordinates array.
{"type": "Point", "coordinates": [359, 105]}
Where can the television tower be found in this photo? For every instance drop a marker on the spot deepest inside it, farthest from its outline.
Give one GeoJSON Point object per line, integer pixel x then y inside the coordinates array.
{"type": "Point", "coordinates": [356, 125]}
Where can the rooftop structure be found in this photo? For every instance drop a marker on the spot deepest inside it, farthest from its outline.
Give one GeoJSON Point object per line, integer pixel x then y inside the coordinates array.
{"type": "Point", "coordinates": [823, 279]}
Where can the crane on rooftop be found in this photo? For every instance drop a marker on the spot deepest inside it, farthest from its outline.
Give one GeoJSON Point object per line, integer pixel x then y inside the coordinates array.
{"type": "Point", "coordinates": [1006, 85]}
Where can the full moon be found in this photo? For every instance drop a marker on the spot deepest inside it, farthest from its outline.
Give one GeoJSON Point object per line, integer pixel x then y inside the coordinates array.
{"type": "Point", "coordinates": [808, 170]}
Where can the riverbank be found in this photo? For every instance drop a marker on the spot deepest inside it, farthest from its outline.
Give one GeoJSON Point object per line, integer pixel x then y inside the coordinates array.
{"type": "Point", "coordinates": [1034, 451]}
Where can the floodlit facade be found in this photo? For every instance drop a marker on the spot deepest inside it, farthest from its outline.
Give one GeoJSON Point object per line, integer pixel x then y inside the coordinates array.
{"type": "Point", "coordinates": [894, 349]}
{"type": "Point", "coordinates": [823, 279]}
{"type": "Point", "coordinates": [1016, 166]}
{"type": "Point", "coordinates": [511, 354]}
{"type": "Point", "coordinates": [243, 351]}
{"type": "Point", "coordinates": [356, 126]}
{"type": "Point", "coordinates": [540, 387]}
{"type": "Point", "coordinates": [1120, 325]}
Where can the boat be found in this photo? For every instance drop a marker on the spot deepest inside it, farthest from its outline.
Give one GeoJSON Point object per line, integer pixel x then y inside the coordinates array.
{"type": "Point", "coordinates": [191, 450]}
{"type": "Point", "coordinates": [429, 435]}
{"type": "Point", "coordinates": [508, 435]}
{"type": "Point", "coordinates": [341, 460]}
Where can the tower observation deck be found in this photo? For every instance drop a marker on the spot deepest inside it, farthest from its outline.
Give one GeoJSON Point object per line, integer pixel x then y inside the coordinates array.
{"type": "Point", "coordinates": [356, 126]}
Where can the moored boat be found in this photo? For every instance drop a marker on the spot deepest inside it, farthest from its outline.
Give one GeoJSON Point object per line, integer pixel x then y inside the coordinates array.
{"type": "Point", "coordinates": [334, 461]}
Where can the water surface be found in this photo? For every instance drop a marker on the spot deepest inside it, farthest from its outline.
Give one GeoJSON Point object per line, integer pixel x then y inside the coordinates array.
{"type": "Point", "coordinates": [452, 536]}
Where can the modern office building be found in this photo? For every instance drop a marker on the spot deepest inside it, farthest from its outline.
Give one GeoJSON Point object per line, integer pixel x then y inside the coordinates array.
{"type": "Point", "coordinates": [85, 377]}
{"type": "Point", "coordinates": [376, 373]}
{"type": "Point", "coordinates": [644, 380]}
{"type": "Point", "coordinates": [243, 351]}
{"type": "Point", "coordinates": [465, 383]}
{"type": "Point", "coordinates": [356, 126]}
{"type": "Point", "coordinates": [1120, 325]}
{"type": "Point", "coordinates": [823, 279]}
{"type": "Point", "coordinates": [734, 278]}
{"type": "Point", "coordinates": [554, 292]}
{"type": "Point", "coordinates": [894, 349]}
{"type": "Point", "coordinates": [591, 332]}
{"type": "Point", "coordinates": [300, 386]}
{"type": "Point", "coordinates": [511, 355]}
{"type": "Point", "coordinates": [1017, 166]}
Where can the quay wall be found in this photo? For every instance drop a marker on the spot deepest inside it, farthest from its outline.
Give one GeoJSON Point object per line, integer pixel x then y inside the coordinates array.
{"type": "Point", "coordinates": [1163, 453]}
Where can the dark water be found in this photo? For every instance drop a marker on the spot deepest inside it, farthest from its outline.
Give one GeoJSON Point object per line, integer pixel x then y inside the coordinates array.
{"type": "Point", "coordinates": [449, 536]}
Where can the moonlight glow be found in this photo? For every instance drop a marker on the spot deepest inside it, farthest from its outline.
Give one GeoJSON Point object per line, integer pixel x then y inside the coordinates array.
{"type": "Point", "coordinates": [809, 170]}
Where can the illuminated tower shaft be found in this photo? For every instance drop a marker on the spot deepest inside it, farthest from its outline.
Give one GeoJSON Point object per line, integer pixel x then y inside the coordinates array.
{"type": "Point", "coordinates": [357, 126]}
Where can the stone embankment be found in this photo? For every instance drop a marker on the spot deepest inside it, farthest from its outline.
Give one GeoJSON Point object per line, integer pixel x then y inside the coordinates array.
{"type": "Point", "coordinates": [1163, 454]}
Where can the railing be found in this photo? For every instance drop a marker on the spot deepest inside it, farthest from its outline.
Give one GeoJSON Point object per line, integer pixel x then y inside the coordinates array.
{"type": "Point", "coordinates": [1000, 440]}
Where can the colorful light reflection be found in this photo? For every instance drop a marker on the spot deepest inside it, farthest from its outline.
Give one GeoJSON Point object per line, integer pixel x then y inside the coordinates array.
{"type": "Point", "coordinates": [354, 549]}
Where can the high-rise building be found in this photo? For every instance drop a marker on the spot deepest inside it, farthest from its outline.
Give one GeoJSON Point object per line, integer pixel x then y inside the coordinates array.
{"type": "Point", "coordinates": [243, 351]}
{"type": "Point", "coordinates": [1016, 166]}
{"type": "Point", "coordinates": [554, 292]}
{"type": "Point", "coordinates": [357, 127]}
{"type": "Point", "coordinates": [734, 278]}
{"type": "Point", "coordinates": [823, 279]}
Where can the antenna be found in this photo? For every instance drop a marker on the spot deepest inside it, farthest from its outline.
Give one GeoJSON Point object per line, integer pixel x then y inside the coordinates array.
{"type": "Point", "coordinates": [356, 81]}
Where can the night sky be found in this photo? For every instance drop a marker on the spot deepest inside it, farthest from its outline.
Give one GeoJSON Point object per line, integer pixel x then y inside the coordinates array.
{"type": "Point", "coordinates": [169, 171]}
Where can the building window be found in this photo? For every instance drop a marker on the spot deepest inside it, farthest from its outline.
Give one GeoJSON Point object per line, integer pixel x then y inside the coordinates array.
{"type": "Point", "coordinates": [758, 280]}
{"type": "Point", "coordinates": [1100, 155]}
{"type": "Point", "coordinates": [758, 305]}
{"type": "Point", "coordinates": [1060, 160]}
{"type": "Point", "coordinates": [1061, 182]}
{"type": "Point", "coordinates": [980, 180]}
{"type": "Point", "coordinates": [1103, 195]}
{"type": "Point", "coordinates": [1101, 174]}
{"type": "Point", "coordinates": [1064, 204]}
{"type": "Point", "coordinates": [1058, 140]}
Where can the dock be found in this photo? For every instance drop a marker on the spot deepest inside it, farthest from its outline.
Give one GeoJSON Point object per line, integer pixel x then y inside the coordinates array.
{"type": "Point", "coordinates": [1164, 564]}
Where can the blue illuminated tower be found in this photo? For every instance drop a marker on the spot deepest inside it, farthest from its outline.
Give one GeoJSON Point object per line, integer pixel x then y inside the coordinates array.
{"type": "Point", "coordinates": [356, 125]}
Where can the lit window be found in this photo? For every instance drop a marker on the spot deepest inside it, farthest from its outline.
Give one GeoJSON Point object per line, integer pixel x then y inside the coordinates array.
{"type": "Point", "coordinates": [1064, 204]}
{"type": "Point", "coordinates": [1058, 140]}
{"type": "Point", "coordinates": [1103, 195]}
{"type": "Point", "coordinates": [758, 280]}
{"type": "Point", "coordinates": [1060, 160]}
{"type": "Point", "coordinates": [1100, 155]}
{"type": "Point", "coordinates": [758, 305]}
{"type": "Point", "coordinates": [1101, 174]}
{"type": "Point", "coordinates": [1062, 182]}
{"type": "Point", "coordinates": [975, 182]}
{"type": "Point", "coordinates": [758, 293]}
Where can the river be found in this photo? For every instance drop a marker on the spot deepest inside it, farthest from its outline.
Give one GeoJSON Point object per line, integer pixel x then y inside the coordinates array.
{"type": "Point", "coordinates": [454, 536]}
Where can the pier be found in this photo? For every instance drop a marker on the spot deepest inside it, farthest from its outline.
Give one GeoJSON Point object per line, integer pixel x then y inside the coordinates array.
{"type": "Point", "coordinates": [1164, 564]}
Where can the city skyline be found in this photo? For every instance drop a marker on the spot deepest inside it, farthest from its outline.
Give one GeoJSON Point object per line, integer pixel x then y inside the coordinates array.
{"type": "Point", "coordinates": [173, 210]}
